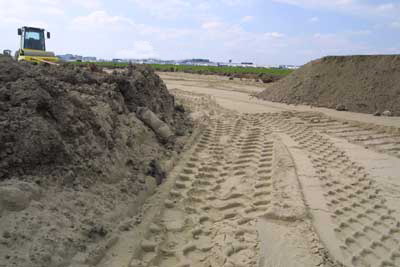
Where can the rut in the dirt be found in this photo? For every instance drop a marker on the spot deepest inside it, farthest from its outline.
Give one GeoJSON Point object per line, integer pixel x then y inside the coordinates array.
{"type": "Point", "coordinates": [366, 228]}
{"type": "Point", "coordinates": [221, 191]}
{"type": "Point", "coordinates": [210, 215]}
{"type": "Point", "coordinates": [231, 182]}
{"type": "Point", "coordinates": [265, 189]}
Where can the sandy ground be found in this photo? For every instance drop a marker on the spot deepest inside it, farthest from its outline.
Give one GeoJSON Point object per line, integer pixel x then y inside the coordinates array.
{"type": "Point", "coordinates": [236, 95]}
{"type": "Point", "coordinates": [264, 184]}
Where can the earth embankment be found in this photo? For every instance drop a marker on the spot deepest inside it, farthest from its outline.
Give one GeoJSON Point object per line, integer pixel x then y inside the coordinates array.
{"type": "Point", "coordinates": [75, 158]}
{"type": "Point", "coordinates": [366, 84]}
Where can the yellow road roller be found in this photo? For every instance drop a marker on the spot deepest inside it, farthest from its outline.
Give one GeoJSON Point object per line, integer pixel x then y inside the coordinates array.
{"type": "Point", "coordinates": [33, 46]}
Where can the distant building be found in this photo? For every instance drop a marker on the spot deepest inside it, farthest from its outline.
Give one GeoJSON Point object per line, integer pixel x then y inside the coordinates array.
{"type": "Point", "coordinates": [247, 64]}
{"type": "Point", "coordinates": [195, 62]}
{"type": "Point", "coordinates": [89, 59]}
{"type": "Point", "coordinates": [291, 67]}
{"type": "Point", "coordinates": [70, 57]}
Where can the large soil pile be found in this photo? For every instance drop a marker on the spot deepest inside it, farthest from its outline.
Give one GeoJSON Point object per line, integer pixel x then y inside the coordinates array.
{"type": "Point", "coordinates": [361, 83]}
{"type": "Point", "coordinates": [75, 158]}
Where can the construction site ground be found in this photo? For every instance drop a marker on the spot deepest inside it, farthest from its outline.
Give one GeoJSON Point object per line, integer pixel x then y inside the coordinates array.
{"type": "Point", "coordinates": [111, 170]}
{"type": "Point", "coordinates": [268, 184]}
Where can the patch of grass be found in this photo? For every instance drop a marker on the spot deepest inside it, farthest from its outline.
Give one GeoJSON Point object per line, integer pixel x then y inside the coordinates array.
{"type": "Point", "coordinates": [200, 69]}
{"type": "Point", "coordinates": [221, 70]}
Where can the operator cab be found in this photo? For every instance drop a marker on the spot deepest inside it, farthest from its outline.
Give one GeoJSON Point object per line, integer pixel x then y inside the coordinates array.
{"type": "Point", "coordinates": [33, 38]}
{"type": "Point", "coordinates": [33, 46]}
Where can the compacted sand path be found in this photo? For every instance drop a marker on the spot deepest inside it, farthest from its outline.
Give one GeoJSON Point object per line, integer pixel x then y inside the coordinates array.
{"type": "Point", "coordinates": [265, 184]}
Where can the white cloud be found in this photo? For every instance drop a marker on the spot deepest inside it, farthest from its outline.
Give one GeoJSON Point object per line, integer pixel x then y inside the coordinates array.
{"type": "Point", "coordinates": [235, 2]}
{"type": "Point", "coordinates": [317, 3]}
{"type": "Point", "coordinates": [52, 10]}
{"type": "Point", "coordinates": [25, 9]}
{"type": "Point", "coordinates": [211, 25]}
{"type": "Point", "coordinates": [360, 33]}
{"type": "Point", "coordinates": [42, 12]}
{"type": "Point", "coordinates": [140, 49]}
{"type": "Point", "coordinates": [100, 19]}
{"type": "Point", "coordinates": [163, 8]}
{"type": "Point", "coordinates": [88, 4]}
{"type": "Point", "coordinates": [191, 9]}
{"type": "Point", "coordinates": [247, 18]}
{"type": "Point", "coordinates": [314, 19]}
{"type": "Point", "coordinates": [334, 42]}
{"type": "Point", "coordinates": [275, 35]}
{"type": "Point", "coordinates": [367, 8]}
{"type": "Point", "coordinates": [395, 24]}
{"type": "Point", "coordinates": [386, 7]}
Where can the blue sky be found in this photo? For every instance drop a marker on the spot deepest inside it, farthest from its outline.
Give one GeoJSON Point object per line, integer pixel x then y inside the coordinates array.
{"type": "Point", "coordinates": [262, 31]}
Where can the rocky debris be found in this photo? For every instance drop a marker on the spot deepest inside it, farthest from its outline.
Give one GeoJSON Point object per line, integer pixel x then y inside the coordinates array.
{"type": "Point", "coordinates": [360, 83]}
{"type": "Point", "coordinates": [17, 195]}
{"type": "Point", "coordinates": [161, 129]}
{"type": "Point", "coordinates": [155, 170]}
{"type": "Point", "coordinates": [341, 107]}
{"type": "Point", "coordinates": [387, 113]}
{"type": "Point", "coordinates": [136, 263]}
{"type": "Point", "coordinates": [377, 113]}
{"type": "Point", "coordinates": [74, 156]}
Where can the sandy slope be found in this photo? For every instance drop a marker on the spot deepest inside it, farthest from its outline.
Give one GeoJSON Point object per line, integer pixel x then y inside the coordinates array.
{"type": "Point", "coordinates": [265, 184]}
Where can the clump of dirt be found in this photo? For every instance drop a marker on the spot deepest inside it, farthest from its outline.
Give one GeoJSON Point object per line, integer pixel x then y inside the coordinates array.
{"type": "Point", "coordinates": [366, 84]}
{"type": "Point", "coordinates": [75, 159]}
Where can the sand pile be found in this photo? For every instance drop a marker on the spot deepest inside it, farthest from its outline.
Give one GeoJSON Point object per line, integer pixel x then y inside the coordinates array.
{"type": "Point", "coordinates": [366, 84]}
{"type": "Point", "coordinates": [75, 158]}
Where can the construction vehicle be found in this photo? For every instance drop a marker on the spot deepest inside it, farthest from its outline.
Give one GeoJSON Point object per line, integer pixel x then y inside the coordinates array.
{"type": "Point", "coordinates": [33, 46]}
{"type": "Point", "coordinates": [7, 52]}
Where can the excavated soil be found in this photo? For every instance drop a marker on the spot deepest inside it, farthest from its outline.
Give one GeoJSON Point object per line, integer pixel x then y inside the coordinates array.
{"type": "Point", "coordinates": [75, 159]}
{"type": "Point", "coordinates": [366, 84]}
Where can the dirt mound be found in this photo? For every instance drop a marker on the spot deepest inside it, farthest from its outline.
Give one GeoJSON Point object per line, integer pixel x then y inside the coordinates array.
{"type": "Point", "coordinates": [75, 158]}
{"type": "Point", "coordinates": [364, 84]}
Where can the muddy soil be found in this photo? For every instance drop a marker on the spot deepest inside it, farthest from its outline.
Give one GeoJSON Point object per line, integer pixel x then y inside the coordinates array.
{"type": "Point", "coordinates": [368, 84]}
{"type": "Point", "coordinates": [75, 159]}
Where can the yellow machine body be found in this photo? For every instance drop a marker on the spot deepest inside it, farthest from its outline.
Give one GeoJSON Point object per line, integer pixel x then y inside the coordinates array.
{"type": "Point", "coordinates": [37, 56]}
{"type": "Point", "coordinates": [33, 46]}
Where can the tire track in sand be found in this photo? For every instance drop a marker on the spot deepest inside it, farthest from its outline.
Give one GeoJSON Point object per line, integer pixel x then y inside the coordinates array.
{"type": "Point", "coordinates": [228, 198]}
{"type": "Point", "coordinates": [379, 138]}
{"type": "Point", "coordinates": [367, 229]}
{"type": "Point", "coordinates": [209, 216]}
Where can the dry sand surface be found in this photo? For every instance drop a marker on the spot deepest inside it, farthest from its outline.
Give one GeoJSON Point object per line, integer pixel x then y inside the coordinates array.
{"type": "Point", "coordinates": [271, 185]}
